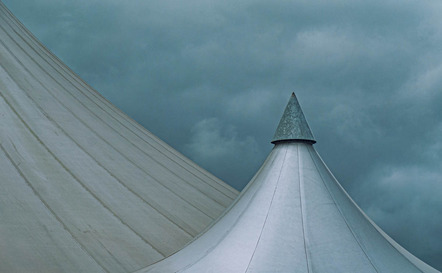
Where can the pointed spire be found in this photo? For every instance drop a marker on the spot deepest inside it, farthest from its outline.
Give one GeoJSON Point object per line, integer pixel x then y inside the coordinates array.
{"type": "Point", "coordinates": [293, 125]}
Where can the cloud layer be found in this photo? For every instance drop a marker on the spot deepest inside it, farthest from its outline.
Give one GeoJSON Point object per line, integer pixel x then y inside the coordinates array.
{"type": "Point", "coordinates": [212, 78]}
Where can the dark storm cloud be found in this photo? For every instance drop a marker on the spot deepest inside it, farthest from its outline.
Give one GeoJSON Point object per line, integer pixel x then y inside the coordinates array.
{"type": "Point", "coordinates": [211, 78]}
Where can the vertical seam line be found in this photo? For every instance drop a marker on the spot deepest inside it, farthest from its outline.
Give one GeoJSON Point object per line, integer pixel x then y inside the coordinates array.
{"type": "Point", "coordinates": [268, 211]}
{"type": "Point", "coordinates": [236, 220]}
{"type": "Point", "coordinates": [303, 219]}
{"type": "Point", "coordinates": [341, 213]}
{"type": "Point", "coordinates": [366, 217]}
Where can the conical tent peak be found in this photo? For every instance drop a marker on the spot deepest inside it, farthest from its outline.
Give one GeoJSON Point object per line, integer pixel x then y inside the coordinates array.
{"type": "Point", "coordinates": [293, 126]}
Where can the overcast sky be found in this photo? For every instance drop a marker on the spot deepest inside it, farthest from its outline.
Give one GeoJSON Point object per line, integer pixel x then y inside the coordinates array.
{"type": "Point", "coordinates": [212, 78]}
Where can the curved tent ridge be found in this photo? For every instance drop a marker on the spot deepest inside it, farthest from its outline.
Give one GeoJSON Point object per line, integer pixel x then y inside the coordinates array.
{"type": "Point", "coordinates": [84, 188]}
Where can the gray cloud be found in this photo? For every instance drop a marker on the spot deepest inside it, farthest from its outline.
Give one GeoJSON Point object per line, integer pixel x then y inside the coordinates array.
{"type": "Point", "coordinates": [218, 146]}
{"type": "Point", "coordinates": [212, 78]}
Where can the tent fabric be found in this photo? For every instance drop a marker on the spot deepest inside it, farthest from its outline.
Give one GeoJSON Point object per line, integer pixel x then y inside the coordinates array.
{"type": "Point", "coordinates": [84, 188]}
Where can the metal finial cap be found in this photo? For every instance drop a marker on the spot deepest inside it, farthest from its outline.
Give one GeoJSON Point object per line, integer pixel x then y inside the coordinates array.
{"type": "Point", "coordinates": [293, 125]}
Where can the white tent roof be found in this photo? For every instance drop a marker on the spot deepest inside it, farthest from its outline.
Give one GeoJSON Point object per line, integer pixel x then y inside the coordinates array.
{"type": "Point", "coordinates": [84, 188]}
{"type": "Point", "coordinates": [293, 216]}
